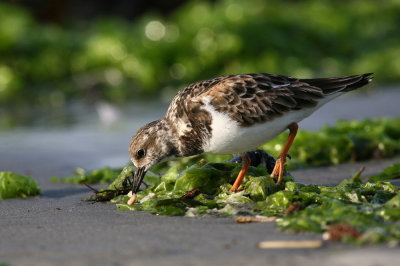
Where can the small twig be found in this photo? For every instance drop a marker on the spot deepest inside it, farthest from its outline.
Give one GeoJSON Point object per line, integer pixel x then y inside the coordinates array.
{"type": "Point", "coordinates": [92, 188]}
{"type": "Point", "coordinates": [337, 231]}
{"type": "Point", "coordinates": [293, 208]}
{"type": "Point", "coordinates": [290, 244]}
{"type": "Point", "coordinates": [106, 194]}
{"type": "Point", "coordinates": [191, 194]}
{"type": "Point", "coordinates": [255, 219]}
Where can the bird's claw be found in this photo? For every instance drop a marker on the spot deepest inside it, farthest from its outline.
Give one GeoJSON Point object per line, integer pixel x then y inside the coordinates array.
{"type": "Point", "coordinates": [279, 169]}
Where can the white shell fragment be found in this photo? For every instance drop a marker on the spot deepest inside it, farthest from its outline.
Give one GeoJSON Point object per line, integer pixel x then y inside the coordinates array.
{"type": "Point", "coordinates": [132, 198]}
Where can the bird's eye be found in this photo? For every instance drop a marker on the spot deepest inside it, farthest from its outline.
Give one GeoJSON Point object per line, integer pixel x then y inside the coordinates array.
{"type": "Point", "coordinates": [140, 154]}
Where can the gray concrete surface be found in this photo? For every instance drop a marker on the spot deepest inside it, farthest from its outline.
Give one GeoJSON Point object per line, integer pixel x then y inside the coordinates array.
{"type": "Point", "coordinates": [58, 228]}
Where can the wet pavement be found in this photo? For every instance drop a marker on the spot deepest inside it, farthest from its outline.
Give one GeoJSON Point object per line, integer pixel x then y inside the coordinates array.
{"type": "Point", "coordinates": [58, 228]}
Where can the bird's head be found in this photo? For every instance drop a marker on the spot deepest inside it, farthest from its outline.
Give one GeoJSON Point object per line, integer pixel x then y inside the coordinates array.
{"type": "Point", "coordinates": [150, 145]}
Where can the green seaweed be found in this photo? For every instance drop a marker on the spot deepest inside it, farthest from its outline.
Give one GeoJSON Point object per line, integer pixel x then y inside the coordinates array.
{"type": "Point", "coordinates": [390, 173]}
{"type": "Point", "coordinates": [13, 185]}
{"type": "Point", "coordinates": [258, 188]}
{"type": "Point", "coordinates": [213, 180]}
{"type": "Point", "coordinates": [81, 176]}
{"type": "Point", "coordinates": [207, 178]}
{"type": "Point", "coordinates": [347, 141]}
{"type": "Point", "coordinates": [372, 208]}
{"type": "Point", "coordinates": [366, 207]}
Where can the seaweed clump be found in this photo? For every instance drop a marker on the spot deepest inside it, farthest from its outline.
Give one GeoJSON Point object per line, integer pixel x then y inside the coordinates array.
{"type": "Point", "coordinates": [81, 176]}
{"type": "Point", "coordinates": [202, 188]}
{"type": "Point", "coordinates": [352, 211]}
{"type": "Point", "coordinates": [347, 141]}
{"type": "Point", "coordinates": [120, 186]}
{"type": "Point", "coordinates": [13, 185]}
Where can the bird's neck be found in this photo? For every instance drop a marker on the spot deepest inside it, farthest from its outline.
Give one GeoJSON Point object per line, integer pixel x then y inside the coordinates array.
{"type": "Point", "coordinates": [169, 138]}
{"type": "Point", "coordinates": [187, 139]}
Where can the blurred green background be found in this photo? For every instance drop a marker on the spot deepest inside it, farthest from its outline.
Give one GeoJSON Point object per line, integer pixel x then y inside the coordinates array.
{"type": "Point", "coordinates": [51, 55]}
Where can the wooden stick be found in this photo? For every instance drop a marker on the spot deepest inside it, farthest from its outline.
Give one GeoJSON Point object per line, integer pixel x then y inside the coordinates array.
{"type": "Point", "coordinates": [256, 219]}
{"type": "Point", "coordinates": [290, 244]}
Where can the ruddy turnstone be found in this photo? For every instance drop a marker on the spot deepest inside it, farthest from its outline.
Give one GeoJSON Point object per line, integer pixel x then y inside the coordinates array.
{"type": "Point", "coordinates": [232, 114]}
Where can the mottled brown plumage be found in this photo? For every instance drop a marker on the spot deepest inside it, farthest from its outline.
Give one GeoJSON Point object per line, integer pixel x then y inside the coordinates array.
{"type": "Point", "coordinates": [256, 98]}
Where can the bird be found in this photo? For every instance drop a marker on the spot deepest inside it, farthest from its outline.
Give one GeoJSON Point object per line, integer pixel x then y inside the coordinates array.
{"type": "Point", "coordinates": [231, 115]}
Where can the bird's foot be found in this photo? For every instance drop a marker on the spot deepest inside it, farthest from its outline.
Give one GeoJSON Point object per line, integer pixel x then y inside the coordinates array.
{"type": "Point", "coordinates": [240, 188]}
{"type": "Point", "coordinates": [245, 165]}
{"type": "Point", "coordinates": [279, 168]}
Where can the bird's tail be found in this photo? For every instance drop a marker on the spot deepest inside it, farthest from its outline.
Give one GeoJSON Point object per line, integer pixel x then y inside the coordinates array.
{"type": "Point", "coordinates": [343, 84]}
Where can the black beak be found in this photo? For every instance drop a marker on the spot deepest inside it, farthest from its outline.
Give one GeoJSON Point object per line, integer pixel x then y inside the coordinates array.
{"type": "Point", "coordinates": [138, 178]}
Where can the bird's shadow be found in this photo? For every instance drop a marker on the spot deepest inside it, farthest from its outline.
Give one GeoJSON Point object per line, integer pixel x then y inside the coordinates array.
{"type": "Point", "coordinates": [64, 192]}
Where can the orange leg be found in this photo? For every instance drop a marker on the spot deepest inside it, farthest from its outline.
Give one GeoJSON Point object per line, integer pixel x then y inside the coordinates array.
{"type": "Point", "coordinates": [239, 178]}
{"type": "Point", "coordinates": [280, 161]}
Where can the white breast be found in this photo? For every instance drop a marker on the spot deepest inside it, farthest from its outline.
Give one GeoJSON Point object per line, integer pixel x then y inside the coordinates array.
{"type": "Point", "coordinates": [229, 138]}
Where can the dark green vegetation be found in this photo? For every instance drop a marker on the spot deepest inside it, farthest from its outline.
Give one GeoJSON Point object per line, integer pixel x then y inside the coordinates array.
{"type": "Point", "coordinates": [81, 176]}
{"type": "Point", "coordinates": [392, 172]}
{"type": "Point", "coordinates": [109, 58]}
{"type": "Point", "coordinates": [13, 185]}
{"type": "Point", "coordinates": [371, 209]}
{"type": "Point", "coordinates": [166, 194]}
{"type": "Point", "coordinates": [347, 141]}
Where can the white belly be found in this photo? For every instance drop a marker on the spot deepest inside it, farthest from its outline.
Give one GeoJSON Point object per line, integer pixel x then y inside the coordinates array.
{"type": "Point", "coordinates": [229, 138]}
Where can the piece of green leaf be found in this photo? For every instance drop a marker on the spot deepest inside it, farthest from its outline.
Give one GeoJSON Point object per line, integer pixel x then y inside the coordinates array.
{"type": "Point", "coordinates": [390, 173]}
{"type": "Point", "coordinates": [13, 185]}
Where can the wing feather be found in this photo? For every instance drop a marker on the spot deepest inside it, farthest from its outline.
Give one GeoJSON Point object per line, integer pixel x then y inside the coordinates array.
{"type": "Point", "coordinates": [254, 98]}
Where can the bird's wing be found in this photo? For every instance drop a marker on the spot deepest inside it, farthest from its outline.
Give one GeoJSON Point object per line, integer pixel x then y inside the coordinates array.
{"type": "Point", "coordinates": [187, 100]}
{"type": "Point", "coordinates": [255, 98]}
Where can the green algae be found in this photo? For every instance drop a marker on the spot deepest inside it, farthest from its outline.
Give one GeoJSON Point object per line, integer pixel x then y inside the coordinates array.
{"type": "Point", "coordinates": [366, 207]}
{"type": "Point", "coordinates": [371, 208]}
{"type": "Point", "coordinates": [347, 141]}
{"type": "Point", "coordinates": [390, 173]}
{"type": "Point", "coordinates": [213, 180]}
{"type": "Point", "coordinates": [81, 176]}
{"type": "Point", "coordinates": [13, 185]}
